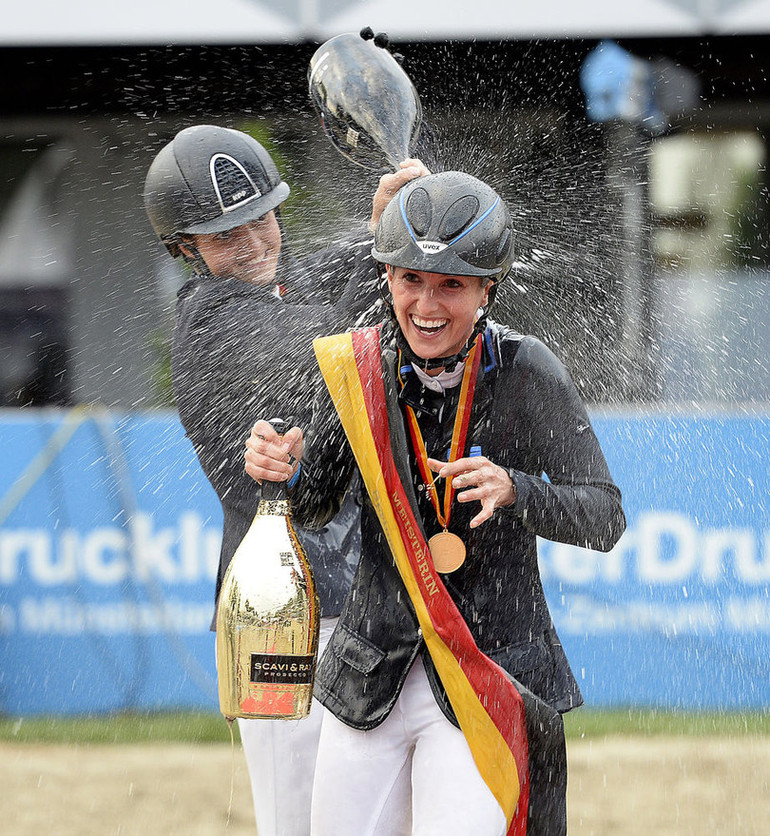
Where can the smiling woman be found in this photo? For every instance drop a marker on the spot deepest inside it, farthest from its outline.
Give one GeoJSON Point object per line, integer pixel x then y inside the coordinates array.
{"type": "Point", "coordinates": [436, 313]}
{"type": "Point", "coordinates": [248, 252]}
{"type": "Point", "coordinates": [446, 240]}
{"type": "Point", "coordinates": [447, 614]}
{"type": "Point", "coordinates": [211, 195]}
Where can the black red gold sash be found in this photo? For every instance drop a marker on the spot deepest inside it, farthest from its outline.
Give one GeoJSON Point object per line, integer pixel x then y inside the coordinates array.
{"type": "Point", "coordinates": [487, 704]}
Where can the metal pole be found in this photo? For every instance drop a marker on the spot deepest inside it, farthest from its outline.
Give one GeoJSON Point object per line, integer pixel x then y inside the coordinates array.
{"type": "Point", "coordinates": [627, 175]}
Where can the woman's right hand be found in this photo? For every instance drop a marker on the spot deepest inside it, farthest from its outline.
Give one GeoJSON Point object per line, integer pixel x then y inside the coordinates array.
{"type": "Point", "coordinates": [271, 457]}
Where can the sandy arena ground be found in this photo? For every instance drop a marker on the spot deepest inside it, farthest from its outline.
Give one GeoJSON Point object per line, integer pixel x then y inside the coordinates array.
{"type": "Point", "coordinates": [630, 786]}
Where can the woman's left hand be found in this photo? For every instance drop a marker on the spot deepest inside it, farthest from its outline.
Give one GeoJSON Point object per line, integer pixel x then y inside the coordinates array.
{"type": "Point", "coordinates": [484, 482]}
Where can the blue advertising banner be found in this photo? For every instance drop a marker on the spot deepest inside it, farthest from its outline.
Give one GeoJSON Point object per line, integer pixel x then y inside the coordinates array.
{"type": "Point", "coordinates": [677, 615]}
{"type": "Point", "coordinates": [109, 544]}
{"type": "Point", "coordinates": [109, 540]}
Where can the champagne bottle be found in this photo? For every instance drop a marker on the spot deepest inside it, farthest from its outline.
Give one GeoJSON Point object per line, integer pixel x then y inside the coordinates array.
{"type": "Point", "coordinates": [268, 619]}
{"type": "Point", "coordinates": [367, 104]}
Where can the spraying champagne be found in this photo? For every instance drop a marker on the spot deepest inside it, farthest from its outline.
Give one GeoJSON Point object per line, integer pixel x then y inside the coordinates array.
{"type": "Point", "coordinates": [367, 104]}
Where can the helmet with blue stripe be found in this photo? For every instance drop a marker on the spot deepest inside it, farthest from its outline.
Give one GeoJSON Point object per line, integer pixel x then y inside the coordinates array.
{"type": "Point", "coordinates": [449, 223]}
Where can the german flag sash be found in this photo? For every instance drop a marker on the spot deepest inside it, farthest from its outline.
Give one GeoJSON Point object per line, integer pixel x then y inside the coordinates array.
{"type": "Point", "coordinates": [487, 704]}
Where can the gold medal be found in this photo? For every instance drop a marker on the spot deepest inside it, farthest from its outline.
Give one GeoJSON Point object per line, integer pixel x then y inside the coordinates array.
{"type": "Point", "coordinates": [448, 552]}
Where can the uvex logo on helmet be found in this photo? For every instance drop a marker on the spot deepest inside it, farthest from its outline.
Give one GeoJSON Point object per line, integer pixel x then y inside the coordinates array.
{"type": "Point", "coordinates": [431, 246]}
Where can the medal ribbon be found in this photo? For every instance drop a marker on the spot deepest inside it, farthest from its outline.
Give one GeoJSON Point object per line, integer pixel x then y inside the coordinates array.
{"type": "Point", "coordinates": [459, 434]}
{"type": "Point", "coordinates": [488, 705]}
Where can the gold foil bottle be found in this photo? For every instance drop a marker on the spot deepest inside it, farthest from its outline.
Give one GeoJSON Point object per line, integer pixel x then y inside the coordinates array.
{"type": "Point", "coordinates": [268, 619]}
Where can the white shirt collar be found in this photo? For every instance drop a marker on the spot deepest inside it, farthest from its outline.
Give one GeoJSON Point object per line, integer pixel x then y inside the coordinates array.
{"type": "Point", "coordinates": [442, 381]}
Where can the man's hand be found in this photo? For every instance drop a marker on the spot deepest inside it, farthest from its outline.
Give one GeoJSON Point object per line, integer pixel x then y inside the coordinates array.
{"type": "Point", "coordinates": [271, 457]}
{"type": "Point", "coordinates": [486, 483]}
{"type": "Point", "coordinates": [390, 183]}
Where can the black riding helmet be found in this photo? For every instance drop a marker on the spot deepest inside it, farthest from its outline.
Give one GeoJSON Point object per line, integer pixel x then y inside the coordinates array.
{"type": "Point", "coordinates": [450, 223]}
{"type": "Point", "coordinates": [210, 179]}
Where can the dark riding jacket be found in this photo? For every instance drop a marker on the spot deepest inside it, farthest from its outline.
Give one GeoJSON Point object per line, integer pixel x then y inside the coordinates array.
{"type": "Point", "coordinates": [528, 418]}
{"type": "Point", "coordinates": [240, 353]}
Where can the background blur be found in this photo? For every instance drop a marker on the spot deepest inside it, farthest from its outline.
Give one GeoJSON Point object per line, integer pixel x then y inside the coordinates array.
{"type": "Point", "coordinates": [630, 141]}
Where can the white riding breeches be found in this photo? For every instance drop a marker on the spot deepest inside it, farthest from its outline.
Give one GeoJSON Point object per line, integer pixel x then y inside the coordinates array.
{"type": "Point", "coordinates": [415, 762]}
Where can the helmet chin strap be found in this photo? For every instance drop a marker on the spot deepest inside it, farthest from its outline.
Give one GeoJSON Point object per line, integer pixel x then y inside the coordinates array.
{"type": "Point", "coordinates": [195, 261]}
{"type": "Point", "coordinates": [447, 363]}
